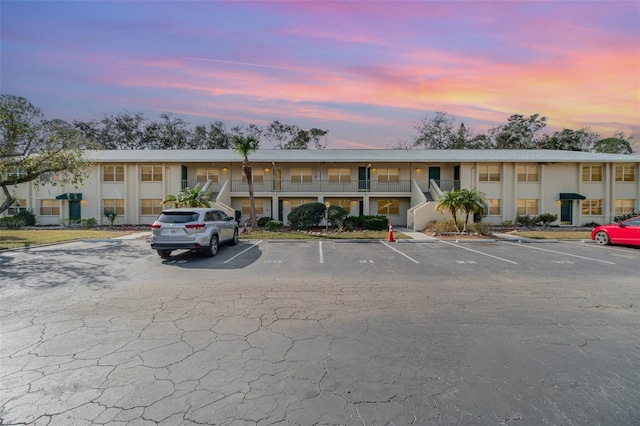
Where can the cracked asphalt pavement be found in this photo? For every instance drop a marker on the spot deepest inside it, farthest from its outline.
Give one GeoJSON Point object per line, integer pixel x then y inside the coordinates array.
{"type": "Point", "coordinates": [321, 333]}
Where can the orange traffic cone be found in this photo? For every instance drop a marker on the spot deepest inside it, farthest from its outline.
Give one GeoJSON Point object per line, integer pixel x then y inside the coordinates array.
{"type": "Point", "coordinates": [390, 237]}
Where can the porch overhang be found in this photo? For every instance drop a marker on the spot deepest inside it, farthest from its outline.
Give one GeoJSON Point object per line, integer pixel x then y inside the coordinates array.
{"type": "Point", "coordinates": [571, 196]}
{"type": "Point", "coordinates": [75, 196]}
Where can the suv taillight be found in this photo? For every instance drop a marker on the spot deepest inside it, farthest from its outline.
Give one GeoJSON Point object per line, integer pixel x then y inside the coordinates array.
{"type": "Point", "coordinates": [156, 226]}
{"type": "Point", "coordinates": [194, 225]}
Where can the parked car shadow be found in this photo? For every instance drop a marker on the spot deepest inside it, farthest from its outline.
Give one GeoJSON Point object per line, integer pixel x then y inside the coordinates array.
{"type": "Point", "coordinates": [229, 257]}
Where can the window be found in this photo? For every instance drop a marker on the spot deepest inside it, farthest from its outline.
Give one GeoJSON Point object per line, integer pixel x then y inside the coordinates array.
{"type": "Point", "coordinates": [339, 175]}
{"type": "Point", "coordinates": [257, 176]}
{"type": "Point", "coordinates": [527, 207]}
{"type": "Point", "coordinates": [493, 207]}
{"type": "Point", "coordinates": [625, 174]}
{"type": "Point", "coordinates": [388, 206]}
{"type": "Point", "coordinates": [388, 174]}
{"type": "Point", "coordinates": [592, 173]}
{"type": "Point", "coordinates": [150, 206]}
{"type": "Point", "coordinates": [246, 207]}
{"type": "Point", "coordinates": [116, 205]}
{"type": "Point", "coordinates": [345, 204]}
{"type": "Point", "coordinates": [299, 202]}
{"type": "Point", "coordinates": [49, 208]}
{"type": "Point", "coordinates": [527, 173]}
{"type": "Point", "coordinates": [15, 172]}
{"type": "Point", "coordinates": [489, 173]}
{"type": "Point", "coordinates": [112, 173]}
{"type": "Point", "coordinates": [151, 173]}
{"type": "Point", "coordinates": [624, 207]}
{"type": "Point", "coordinates": [592, 207]}
{"type": "Point", "coordinates": [203, 175]}
{"type": "Point", "coordinates": [299, 175]}
{"type": "Point", "coordinates": [19, 206]}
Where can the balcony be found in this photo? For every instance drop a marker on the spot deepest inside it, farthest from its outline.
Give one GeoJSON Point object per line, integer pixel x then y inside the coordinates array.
{"type": "Point", "coordinates": [319, 186]}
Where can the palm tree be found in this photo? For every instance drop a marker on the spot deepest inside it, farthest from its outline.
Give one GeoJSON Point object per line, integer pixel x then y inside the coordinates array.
{"type": "Point", "coordinates": [245, 145]}
{"type": "Point", "coordinates": [193, 197]}
{"type": "Point", "coordinates": [449, 201]}
{"type": "Point", "coordinates": [471, 201]}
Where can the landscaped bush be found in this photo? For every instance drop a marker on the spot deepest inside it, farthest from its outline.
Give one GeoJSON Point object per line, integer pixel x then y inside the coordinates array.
{"type": "Point", "coordinates": [525, 221]}
{"type": "Point", "coordinates": [442, 226]}
{"type": "Point", "coordinates": [262, 221]}
{"type": "Point", "coordinates": [482, 228]}
{"type": "Point", "coordinates": [273, 225]}
{"type": "Point", "coordinates": [336, 215]}
{"type": "Point", "coordinates": [591, 225]}
{"type": "Point", "coordinates": [88, 223]}
{"type": "Point", "coordinates": [626, 216]}
{"type": "Point", "coordinates": [506, 224]}
{"type": "Point", "coordinates": [372, 223]}
{"type": "Point", "coordinates": [545, 219]}
{"type": "Point", "coordinates": [28, 216]}
{"type": "Point", "coordinates": [12, 222]}
{"type": "Point", "coordinates": [306, 216]}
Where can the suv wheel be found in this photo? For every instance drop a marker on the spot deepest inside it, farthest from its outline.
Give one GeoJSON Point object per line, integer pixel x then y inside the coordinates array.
{"type": "Point", "coordinates": [164, 253]}
{"type": "Point", "coordinates": [213, 247]}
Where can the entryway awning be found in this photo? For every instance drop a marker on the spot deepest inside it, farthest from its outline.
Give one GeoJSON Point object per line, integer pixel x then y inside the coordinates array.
{"type": "Point", "coordinates": [70, 196]}
{"type": "Point", "coordinates": [571, 196]}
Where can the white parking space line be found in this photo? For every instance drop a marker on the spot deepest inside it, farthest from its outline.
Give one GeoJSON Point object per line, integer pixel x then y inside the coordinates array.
{"type": "Point", "coordinates": [242, 252]}
{"type": "Point", "coordinates": [320, 248]}
{"type": "Point", "coordinates": [565, 254]}
{"type": "Point", "coordinates": [397, 251]}
{"type": "Point", "coordinates": [479, 252]}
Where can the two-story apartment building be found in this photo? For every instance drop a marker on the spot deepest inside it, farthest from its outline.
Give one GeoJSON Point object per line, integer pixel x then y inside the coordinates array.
{"type": "Point", "coordinates": [579, 187]}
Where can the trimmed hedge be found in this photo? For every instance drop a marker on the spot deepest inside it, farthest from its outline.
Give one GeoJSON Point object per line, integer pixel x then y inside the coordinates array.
{"type": "Point", "coordinates": [372, 223]}
{"type": "Point", "coordinates": [306, 216]}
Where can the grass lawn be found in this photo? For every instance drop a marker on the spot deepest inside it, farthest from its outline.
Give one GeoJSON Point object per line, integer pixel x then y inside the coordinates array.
{"type": "Point", "coordinates": [10, 239]}
{"type": "Point", "coordinates": [555, 235]}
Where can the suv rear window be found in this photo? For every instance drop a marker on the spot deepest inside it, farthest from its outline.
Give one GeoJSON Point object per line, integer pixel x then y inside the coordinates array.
{"type": "Point", "coordinates": [177, 217]}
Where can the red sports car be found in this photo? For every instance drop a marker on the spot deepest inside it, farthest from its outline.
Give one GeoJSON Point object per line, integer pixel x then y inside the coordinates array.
{"type": "Point", "coordinates": [626, 232]}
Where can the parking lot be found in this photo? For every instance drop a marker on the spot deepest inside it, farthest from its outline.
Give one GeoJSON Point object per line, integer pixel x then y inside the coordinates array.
{"type": "Point", "coordinates": [321, 332]}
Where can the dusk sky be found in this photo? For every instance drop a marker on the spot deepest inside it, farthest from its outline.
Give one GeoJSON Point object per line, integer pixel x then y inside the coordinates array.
{"type": "Point", "coordinates": [365, 71]}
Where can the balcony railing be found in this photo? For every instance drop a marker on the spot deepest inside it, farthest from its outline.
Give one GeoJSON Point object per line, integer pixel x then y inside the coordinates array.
{"type": "Point", "coordinates": [447, 185]}
{"type": "Point", "coordinates": [214, 187]}
{"type": "Point", "coordinates": [317, 186]}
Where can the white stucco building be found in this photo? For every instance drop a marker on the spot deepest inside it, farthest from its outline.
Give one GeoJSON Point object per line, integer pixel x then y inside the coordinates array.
{"type": "Point", "coordinates": [579, 187]}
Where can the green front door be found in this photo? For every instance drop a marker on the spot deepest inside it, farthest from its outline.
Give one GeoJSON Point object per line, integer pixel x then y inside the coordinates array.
{"type": "Point", "coordinates": [364, 176]}
{"type": "Point", "coordinates": [434, 173]}
{"type": "Point", "coordinates": [566, 212]}
{"type": "Point", "coordinates": [75, 209]}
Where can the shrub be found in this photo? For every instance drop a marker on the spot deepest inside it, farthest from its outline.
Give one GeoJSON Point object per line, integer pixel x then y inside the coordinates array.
{"type": "Point", "coordinates": [626, 216]}
{"type": "Point", "coordinates": [375, 223]}
{"type": "Point", "coordinates": [273, 225]}
{"type": "Point", "coordinates": [443, 226]}
{"type": "Point", "coordinates": [525, 221]}
{"type": "Point", "coordinates": [111, 216]}
{"type": "Point", "coordinates": [482, 228]}
{"type": "Point", "coordinates": [336, 215]}
{"type": "Point", "coordinates": [28, 216]}
{"type": "Point", "coordinates": [545, 219]}
{"type": "Point", "coordinates": [591, 225]}
{"type": "Point", "coordinates": [506, 224]}
{"type": "Point", "coordinates": [12, 222]}
{"type": "Point", "coordinates": [262, 221]}
{"type": "Point", "coordinates": [88, 223]}
{"type": "Point", "coordinates": [307, 215]}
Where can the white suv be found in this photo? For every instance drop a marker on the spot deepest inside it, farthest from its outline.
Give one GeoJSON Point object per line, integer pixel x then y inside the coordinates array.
{"type": "Point", "coordinates": [198, 229]}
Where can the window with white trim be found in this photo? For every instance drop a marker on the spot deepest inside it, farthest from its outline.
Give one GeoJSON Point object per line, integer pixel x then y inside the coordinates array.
{"type": "Point", "coordinates": [257, 176]}
{"type": "Point", "coordinates": [592, 173]}
{"type": "Point", "coordinates": [624, 206]}
{"type": "Point", "coordinates": [301, 175]}
{"type": "Point", "coordinates": [625, 173]}
{"type": "Point", "coordinates": [527, 207]}
{"type": "Point", "coordinates": [389, 206]}
{"type": "Point", "coordinates": [592, 207]}
{"type": "Point", "coordinates": [298, 202]}
{"type": "Point", "coordinates": [388, 174]}
{"type": "Point", "coordinates": [151, 173]}
{"type": "Point", "coordinates": [489, 173]}
{"type": "Point", "coordinates": [150, 206]}
{"type": "Point", "coordinates": [112, 173]}
{"type": "Point", "coordinates": [20, 205]}
{"type": "Point", "coordinates": [49, 208]}
{"type": "Point", "coordinates": [493, 207]}
{"type": "Point", "coordinates": [203, 175]}
{"type": "Point", "coordinates": [339, 175]}
{"type": "Point", "coordinates": [113, 205]}
{"type": "Point", "coordinates": [246, 207]}
{"type": "Point", "coordinates": [528, 173]}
